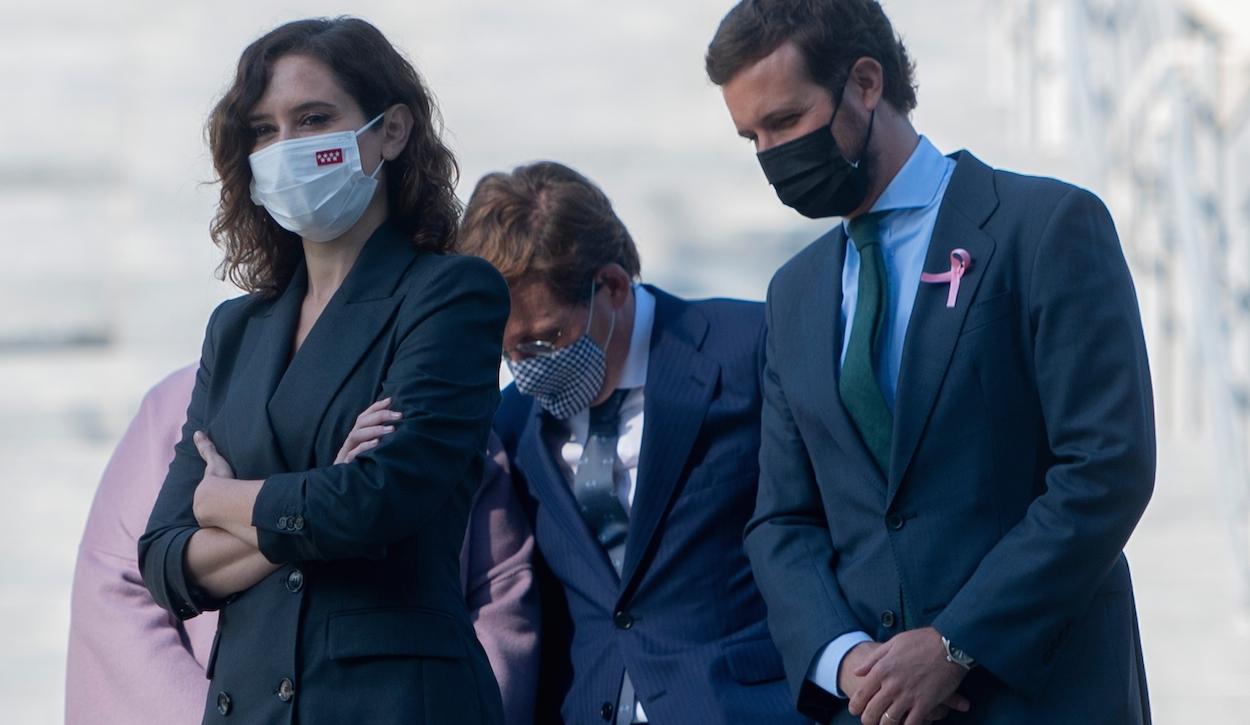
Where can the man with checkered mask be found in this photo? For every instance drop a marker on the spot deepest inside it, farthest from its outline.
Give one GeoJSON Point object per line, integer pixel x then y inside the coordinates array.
{"type": "Point", "coordinates": [633, 425]}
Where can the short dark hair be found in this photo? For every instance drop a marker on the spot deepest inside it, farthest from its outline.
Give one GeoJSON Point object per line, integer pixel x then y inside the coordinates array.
{"type": "Point", "coordinates": [830, 35]}
{"type": "Point", "coordinates": [546, 221]}
{"type": "Point", "coordinates": [261, 256]}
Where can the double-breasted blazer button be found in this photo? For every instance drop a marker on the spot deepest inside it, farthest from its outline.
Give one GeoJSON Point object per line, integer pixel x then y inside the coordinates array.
{"type": "Point", "coordinates": [888, 619]}
{"type": "Point", "coordinates": [298, 523]}
{"type": "Point", "coordinates": [623, 620]}
{"type": "Point", "coordinates": [606, 711]}
{"type": "Point", "coordinates": [894, 521]}
{"type": "Point", "coordinates": [283, 522]}
{"type": "Point", "coordinates": [223, 703]}
{"type": "Point", "coordinates": [286, 689]}
{"type": "Point", "coordinates": [295, 580]}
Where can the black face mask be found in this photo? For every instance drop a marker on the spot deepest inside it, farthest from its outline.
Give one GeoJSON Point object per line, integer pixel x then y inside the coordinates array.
{"type": "Point", "coordinates": [812, 176]}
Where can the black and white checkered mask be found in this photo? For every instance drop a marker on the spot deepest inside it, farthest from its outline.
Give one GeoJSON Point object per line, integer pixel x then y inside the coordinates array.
{"type": "Point", "coordinates": [565, 382]}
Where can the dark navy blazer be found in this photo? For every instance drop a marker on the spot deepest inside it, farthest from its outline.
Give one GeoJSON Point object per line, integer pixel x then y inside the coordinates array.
{"type": "Point", "coordinates": [685, 618]}
{"type": "Point", "coordinates": [366, 620]}
{"type": "Point", "coordinates": [1023, 456]}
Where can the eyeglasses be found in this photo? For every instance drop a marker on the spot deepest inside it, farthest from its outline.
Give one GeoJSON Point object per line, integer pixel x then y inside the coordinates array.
{"type": "Point", "coordinates": [540, 348]}
{"type": "Point", "coordinates": [535, 348]}
{"type": "Point", "coordinates": [543, 348]}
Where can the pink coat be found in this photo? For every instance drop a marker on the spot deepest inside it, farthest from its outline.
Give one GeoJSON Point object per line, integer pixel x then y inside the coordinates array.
{"type": "Point", "coordinates": [131, 662]}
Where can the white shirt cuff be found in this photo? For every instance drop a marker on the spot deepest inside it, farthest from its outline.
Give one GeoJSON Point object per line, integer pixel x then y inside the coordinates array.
{"type": "Point", "coordinates": [824, 669]}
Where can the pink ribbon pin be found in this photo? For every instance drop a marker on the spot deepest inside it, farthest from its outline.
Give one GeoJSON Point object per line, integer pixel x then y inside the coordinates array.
{"type": "Point", "coordinates": [961, 261]}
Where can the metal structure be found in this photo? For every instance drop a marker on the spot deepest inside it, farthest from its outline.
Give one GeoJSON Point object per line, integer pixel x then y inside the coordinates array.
{"type": "Point", "coordinates": [1138, 97]}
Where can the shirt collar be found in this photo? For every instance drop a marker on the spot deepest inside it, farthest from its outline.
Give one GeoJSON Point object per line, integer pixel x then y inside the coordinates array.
{"type": "Point", "coordinates": [635, 373]}
{"type": "Point", "coordinates": [918, 184]}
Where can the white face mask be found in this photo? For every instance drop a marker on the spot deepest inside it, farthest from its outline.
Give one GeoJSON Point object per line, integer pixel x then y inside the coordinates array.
{"type": "Point", "coordinates": [314, 186]}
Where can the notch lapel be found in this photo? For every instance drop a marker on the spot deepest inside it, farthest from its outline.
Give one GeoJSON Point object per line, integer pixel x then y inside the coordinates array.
{"type": "Point", "coordinates": [549, 485]}
{"type": "Point", "coordinates": [822, 311]}
{"type": "Point", "coordinates": [349, 325]}
{"type": "Point", "coordinates": [679, 387]}
{"type": "Point", "coordinates": [933, 330]}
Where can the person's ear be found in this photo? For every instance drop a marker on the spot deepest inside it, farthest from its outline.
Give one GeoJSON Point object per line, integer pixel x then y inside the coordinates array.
{"type": "Point", "coordinates": [617, 281]}
{"type": "Point", "coordinates": [866, 84]}
{"type": "Point", "coordinates": [397, 126]}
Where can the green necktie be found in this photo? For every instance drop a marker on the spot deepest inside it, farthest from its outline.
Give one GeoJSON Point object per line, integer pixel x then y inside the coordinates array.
{"type": "Point", "coordinates": [858, 386]}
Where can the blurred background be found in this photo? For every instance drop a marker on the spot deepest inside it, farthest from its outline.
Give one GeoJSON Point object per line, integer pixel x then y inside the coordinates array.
{"type": "Point", "coordinates": [105, 198]}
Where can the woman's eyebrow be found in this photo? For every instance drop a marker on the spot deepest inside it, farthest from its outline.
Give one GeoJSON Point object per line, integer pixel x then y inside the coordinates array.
{"type": "Point", "coordinates": [301, 108]}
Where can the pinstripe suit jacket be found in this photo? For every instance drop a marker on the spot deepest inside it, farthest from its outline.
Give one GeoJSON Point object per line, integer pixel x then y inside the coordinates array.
{"type": "Point", "coordinates": [685, 618]}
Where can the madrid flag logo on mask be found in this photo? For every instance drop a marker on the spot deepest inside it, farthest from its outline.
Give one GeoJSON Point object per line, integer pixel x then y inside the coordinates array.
{"type": "Point", "coordinates": [329, 157]}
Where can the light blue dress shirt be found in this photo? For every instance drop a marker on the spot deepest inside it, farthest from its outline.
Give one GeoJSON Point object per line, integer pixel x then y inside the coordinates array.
{"type": "Point", "coordinates": [912, 201]}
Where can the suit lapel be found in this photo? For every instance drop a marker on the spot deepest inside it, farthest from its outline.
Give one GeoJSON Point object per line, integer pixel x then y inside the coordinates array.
{"type": "Point", "coordinates": [822, 309]}
{"type": "Point", "coordinates": [933, 330]}
{"type": "Point", "coordinates": [249, 442]}
{"type": "Point", "coordinates": [679, 387]}
{"type": "Point", "coordinates": [535, 459]}
{"type": "Point", "coordinates": [348, 326]}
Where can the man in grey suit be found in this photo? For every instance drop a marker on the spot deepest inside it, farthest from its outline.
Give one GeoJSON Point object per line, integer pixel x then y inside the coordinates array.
{"type": "Point", "coordinates": [958, 434]}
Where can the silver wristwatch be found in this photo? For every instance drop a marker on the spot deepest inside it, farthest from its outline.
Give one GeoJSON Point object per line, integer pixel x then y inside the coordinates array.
{"type": "Point", "coordinates": [958, 656]}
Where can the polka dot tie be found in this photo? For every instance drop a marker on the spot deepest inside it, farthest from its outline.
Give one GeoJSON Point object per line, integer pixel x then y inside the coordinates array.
{"type": "Point", "coordinates": [594, 482]}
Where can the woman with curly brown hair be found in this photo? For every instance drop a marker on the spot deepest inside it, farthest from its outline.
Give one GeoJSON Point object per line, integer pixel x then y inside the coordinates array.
{"type": "Point", "coordinates": [338, 582]}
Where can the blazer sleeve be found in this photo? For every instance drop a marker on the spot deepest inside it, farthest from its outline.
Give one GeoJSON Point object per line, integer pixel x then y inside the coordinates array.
{"type": "Point", "coordinates": [1093, 382]}
{"type": "Point", "coordinates": [444, 378]}
{"type": "Point", "coordinates": [788, 543]}
{"type": "Point", "coordinates": [499, 587]}
{"type": "Point", "coordinates": [127, 656]}
{"type": "Point", "coordinates": [163, 545]}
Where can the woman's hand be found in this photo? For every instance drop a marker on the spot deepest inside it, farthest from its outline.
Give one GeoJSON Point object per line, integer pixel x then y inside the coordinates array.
{"type": "Point", "coordinates": [214, 464]}
{"type": "Point", "coordinates": [220, 500]}
{"type": "Point", "coordinates": [371, 426]}
{"type": "Point", "coordinates": [215, 467]}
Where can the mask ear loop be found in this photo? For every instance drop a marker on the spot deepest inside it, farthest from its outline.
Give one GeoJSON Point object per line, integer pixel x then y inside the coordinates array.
{"type": "Point", "coordinates": [611, 331]}
{"type": "Point", "coordinates": [369, 125]}
{"type": "Point", "coordinates": [871, 122]}
{"type": "Point", "coordinates": [863, 151]}
{"type": "Point", "coordinates": [591, 318]}
{"type": "Point", "coordinates": [364, 128]}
